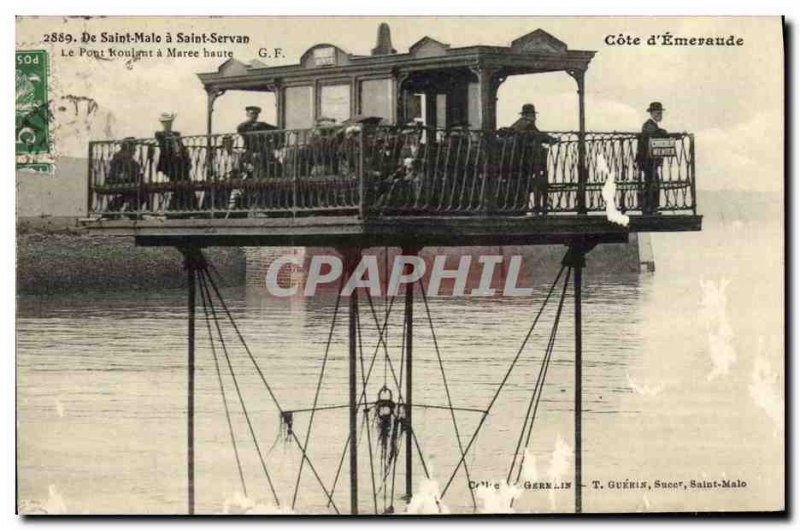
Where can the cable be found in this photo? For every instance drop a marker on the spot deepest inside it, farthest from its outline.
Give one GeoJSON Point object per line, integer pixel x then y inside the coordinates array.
{"type": "Point", "coordinates": [447, 393]}
{"type": "Point", "coordinates": [266, 384]}
{"type": "Point", "coordinates": [538, 387]}
{"type": "Point", "coordinates": [318, 389]}
{"type": "Point", "coordinates": [204, 287]}
{"type": "Point", "coordinates": [222, 392]}
{"type": "Point", "coordinates": [366, 409]}
{"type": "Point", "coordinates": [505, 379]}
{"type": "Point", "coordinates": [341, 461]}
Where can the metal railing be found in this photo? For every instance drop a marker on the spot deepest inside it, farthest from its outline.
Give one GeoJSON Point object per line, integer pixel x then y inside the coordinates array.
{"type": "Point", "coordinates": [361, 170]}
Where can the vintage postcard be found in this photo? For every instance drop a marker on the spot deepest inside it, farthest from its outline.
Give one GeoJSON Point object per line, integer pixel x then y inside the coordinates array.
{"type": "Point", "coordinates": [400, 265]}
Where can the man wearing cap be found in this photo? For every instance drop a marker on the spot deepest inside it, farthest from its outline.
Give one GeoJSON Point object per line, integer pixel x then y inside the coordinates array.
{"type": "Point", "coordinates": [647, 164]}
{"type": "Point", "coordinates": [255, 146]}
{"type": "Point", "coordinates": [251, 124]}
{"type": "Point", "coordinates": [174, 162]}
{"type": "Point", "coordinates": [534, 158]}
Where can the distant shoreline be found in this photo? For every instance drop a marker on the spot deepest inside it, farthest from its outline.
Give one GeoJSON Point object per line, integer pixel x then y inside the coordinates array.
{"type": "Point", "coordinates": [57, 258]}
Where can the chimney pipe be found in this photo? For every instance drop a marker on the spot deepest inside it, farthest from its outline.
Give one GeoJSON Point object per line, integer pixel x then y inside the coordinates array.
{"type": "Point", "coordinates": [383, 46]}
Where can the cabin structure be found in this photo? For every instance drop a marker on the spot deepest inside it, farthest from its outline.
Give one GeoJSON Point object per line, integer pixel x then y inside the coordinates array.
{"type": "Point", "coordinates": [395, 149]}
{"type": "Point", "coordinates": [392, 145]}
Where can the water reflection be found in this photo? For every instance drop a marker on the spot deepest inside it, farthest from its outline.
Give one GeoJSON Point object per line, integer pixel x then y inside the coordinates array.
{"type": "Point", "coordinates": [102, 382]}
{"type": "Point", "coordinates": [123, 368]}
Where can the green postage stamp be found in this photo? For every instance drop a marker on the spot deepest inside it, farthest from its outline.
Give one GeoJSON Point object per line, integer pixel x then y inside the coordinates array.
{"type": "Point", "coordinates": [32, 123]}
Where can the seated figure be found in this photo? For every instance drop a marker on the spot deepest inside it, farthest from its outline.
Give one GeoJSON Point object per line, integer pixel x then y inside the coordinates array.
{"type": "Point", "coordinates": [126, 171]}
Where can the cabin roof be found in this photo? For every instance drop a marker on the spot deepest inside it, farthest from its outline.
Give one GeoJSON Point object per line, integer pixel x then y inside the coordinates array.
{"type": "Point", "coordinates": [534, 52]}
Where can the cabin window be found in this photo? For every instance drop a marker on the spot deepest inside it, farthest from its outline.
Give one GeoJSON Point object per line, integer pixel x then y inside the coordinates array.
{"type": "Point", "coordinates": [334, 102]}
{"type": "Point", "coordinates": [377, 99]}
{"type": "Point", "coordinates": [299, 107]}
{"type": "Point", "coordinates": [415, 107]}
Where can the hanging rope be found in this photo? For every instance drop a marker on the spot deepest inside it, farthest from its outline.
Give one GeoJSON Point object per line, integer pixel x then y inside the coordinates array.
{"type": "Point", "coordinates": [382, 329]}
{"type": "Point", "coordinates": [533, 405]}
{"type": "Point", "coordinates": [385, 409]}
{"type": "Point", "coordinates": [399, 422]}
{"type": "Point", "coordinates": [384, 421]}
{"type": "Point", "coordinates": [504, 380]}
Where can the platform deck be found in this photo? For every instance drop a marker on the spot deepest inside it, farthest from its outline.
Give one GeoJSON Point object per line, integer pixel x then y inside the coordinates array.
{"type": "Point", "coordinates": [394, 231]}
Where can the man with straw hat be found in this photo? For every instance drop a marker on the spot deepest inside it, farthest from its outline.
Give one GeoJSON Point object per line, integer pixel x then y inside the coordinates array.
{"type": "Point", "coordinates": [175, 163]}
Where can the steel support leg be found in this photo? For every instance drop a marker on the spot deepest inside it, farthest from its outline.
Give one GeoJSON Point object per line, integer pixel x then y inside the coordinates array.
{"type": "Point", "coordinates": [351, 258]}
{"type": "Point", "coordinates": [190, 397]}
{"type": "Point", "coordinates": [576, 260]}
{"type": "Point", "coordinates": [409, 324]}
{"type": "Point", "coordinates": [193, 260]}
{"type": "Point", "coordinates": [578, 391]}
{"type": "Point", "coordinates": [409, 340]}
{"type": "Point", "coordinates": [353, 407]}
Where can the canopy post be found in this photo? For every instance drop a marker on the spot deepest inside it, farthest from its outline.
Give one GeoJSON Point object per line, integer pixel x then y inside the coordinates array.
{"type": "Point", "coordinates": [211, 96]}
{"type": "Point", "coordinates": [583, 173]}
{"type": "Point", "coordinates": [280, 104]}
{"type": "Point", "coordinates": [487, 95]}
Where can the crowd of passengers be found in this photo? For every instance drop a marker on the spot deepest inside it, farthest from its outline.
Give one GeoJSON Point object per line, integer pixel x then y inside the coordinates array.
{"type": "Point", "coordinates": [392, 160]}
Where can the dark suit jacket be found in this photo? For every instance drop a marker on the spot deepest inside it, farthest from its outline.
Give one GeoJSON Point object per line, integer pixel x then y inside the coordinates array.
{"type": "Point", "coordinates": [650, 129]}
{"type": "Point", "coordinates": [123, 170]}
{"type": "Point", "coordinates": [253, 126]}
{"type": "Point", "coordinates": [173, 158]}
{"type": "Point", "coordinates": [536, 158]}
{"type": "Point", "coordinates": [252, 143]}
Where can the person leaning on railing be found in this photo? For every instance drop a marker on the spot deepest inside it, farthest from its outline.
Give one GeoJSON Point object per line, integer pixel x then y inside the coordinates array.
{"type": "Point", "coordinates": [125, 172]}
{"type": "Point", "coordinates": [649, 165]}
{"type": "Point", "coordinates": [176, 164]}
{"type": "Point", "coordinates": [535, 157]}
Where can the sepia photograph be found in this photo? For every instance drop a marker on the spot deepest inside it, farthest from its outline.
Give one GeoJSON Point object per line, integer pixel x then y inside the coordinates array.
{"type": "Point", "coordinates": [400, 266]}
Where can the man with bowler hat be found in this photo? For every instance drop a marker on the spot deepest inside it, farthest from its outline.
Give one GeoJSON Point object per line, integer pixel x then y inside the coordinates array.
{"type": "Point", "coordinates": [534, 159]}
{"type": "Point", "coordinates": [649, 165]}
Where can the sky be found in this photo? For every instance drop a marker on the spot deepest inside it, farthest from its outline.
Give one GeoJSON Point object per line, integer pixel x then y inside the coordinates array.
{"type": "Point", "coordinates": [731, 98]}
